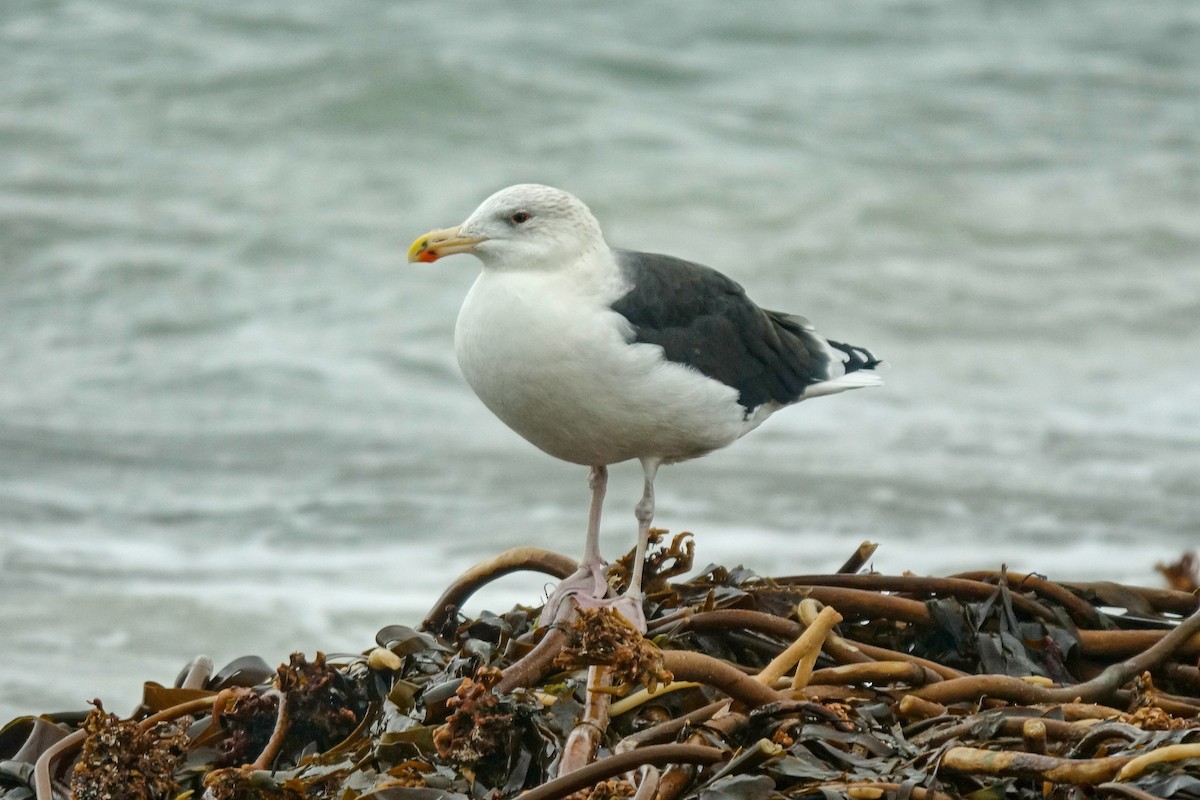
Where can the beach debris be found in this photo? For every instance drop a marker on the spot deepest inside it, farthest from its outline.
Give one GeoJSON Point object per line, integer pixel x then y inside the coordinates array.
{"type": "Point", "coordinates": [1182, 575]}
{"type": "Point", "coordinates": [989, 684]}
{"type": "Point", "coordinates": [601, 636]}
{"type": "Point", "coordinates": [120, 758]}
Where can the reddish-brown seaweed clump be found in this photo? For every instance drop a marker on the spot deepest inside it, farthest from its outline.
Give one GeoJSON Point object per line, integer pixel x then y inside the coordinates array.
{"type": "Point", "coordinates": [248, 721]}
{"type": "Point", "coordinates": [480, 726]}
{"type": "Point", "coordinates": [241, 784]}
{"type": "Point", "coordinates": [121, 759]}
{"type": "Point", "coordinates": [603, 637]}
{"type": "Point", "coordinates": [321, 703]}
{"type": "Point", "coordinates": [1182, 575]}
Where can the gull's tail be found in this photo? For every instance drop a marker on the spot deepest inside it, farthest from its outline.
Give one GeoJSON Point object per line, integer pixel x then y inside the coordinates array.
{"type": "Point", "coordinates": [851, 368]}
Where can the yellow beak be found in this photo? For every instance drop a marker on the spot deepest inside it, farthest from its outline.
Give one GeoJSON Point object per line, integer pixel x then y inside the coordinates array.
{"type": "Point", "coordinates": [446, 242]}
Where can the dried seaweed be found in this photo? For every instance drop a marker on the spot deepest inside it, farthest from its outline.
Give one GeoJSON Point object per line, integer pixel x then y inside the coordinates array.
{"type": "Point", "coordinates": [120, 758]}
{"type": "Point", "coordinates": [1182, 575]}
{"type": "Point", "coordinates": [982, 685]}
{"type": "Point", "coordinates": [603, 637]}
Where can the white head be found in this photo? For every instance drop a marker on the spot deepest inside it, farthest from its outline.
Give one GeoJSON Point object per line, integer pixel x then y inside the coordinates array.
{"type": "Point", "coordinates": [527, 226]}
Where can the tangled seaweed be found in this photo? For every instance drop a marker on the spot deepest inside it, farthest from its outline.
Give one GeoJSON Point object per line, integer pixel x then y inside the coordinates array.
{"type": "Point", "coordinates": [603, 637]}
{"type": "Point", "coordinates": [120, 758]}
{"type": "Point", "coordinates": [481, 724]}
{"type": "Point", "coordinates": [851, 685]}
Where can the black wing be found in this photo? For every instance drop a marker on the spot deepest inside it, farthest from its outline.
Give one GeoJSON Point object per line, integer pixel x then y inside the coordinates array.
{"type": "Point", "coordinates": [704, 319]}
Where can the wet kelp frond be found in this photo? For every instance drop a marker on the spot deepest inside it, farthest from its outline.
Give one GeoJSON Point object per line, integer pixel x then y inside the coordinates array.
{"type": "Point", "coordinates": [985, 685]}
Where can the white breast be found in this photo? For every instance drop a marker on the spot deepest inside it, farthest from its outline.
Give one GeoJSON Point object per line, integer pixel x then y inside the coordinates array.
{"type": "Point", "coordinates": [548, 356]}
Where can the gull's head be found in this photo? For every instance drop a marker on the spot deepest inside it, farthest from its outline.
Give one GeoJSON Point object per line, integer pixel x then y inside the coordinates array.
{"type": "Point", "coordinates": [527, 226]}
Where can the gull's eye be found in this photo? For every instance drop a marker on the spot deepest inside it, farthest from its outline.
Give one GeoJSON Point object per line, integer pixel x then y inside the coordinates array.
{"type": "Point", "coordinates": [520, 217]}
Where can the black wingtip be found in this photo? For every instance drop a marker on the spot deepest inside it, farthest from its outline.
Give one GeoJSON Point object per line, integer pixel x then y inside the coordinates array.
{"type": "Point", "coordinates": [857, 358]}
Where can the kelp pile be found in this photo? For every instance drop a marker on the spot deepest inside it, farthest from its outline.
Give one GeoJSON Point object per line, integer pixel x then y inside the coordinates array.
{"type": "Point", "coordinates": [850, 685]}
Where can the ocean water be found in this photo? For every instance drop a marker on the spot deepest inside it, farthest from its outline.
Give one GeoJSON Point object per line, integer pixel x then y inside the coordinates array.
{"type": "Point", "coordinates": [230, 417]}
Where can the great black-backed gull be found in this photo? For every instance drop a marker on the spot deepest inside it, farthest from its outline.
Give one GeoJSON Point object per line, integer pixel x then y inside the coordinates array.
{"type": "Point", "coordinates": [598, 355]}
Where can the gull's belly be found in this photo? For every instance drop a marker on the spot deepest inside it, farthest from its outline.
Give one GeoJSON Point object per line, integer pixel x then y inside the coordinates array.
{"type": "Point", "coordinates": [562, 375]}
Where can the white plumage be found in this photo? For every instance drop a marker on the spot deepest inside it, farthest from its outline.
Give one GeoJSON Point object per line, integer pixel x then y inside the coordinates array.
{"type": "Point", "coordinates": [550, 358]}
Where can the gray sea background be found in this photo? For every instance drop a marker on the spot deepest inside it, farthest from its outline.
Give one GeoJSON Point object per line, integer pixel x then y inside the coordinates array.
{"type": "Point", "coordinates": [230, 416]}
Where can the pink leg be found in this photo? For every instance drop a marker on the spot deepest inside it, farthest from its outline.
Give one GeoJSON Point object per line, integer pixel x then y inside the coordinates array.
{"type": "Point", "coordinates": [590, 581]}
{"type": "Point", "coordinates": [629, 604]}
{"type": "Point", "coordinates": [597, 482]}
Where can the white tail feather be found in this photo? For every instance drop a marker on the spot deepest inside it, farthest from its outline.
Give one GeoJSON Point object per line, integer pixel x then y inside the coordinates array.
{"type": "Point", "coordinates": [859, 379]}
